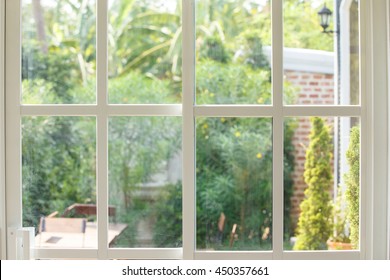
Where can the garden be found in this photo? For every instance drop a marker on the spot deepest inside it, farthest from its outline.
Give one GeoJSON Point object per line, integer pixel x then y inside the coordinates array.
{"type": "Point", "coordinates": [233, 155]}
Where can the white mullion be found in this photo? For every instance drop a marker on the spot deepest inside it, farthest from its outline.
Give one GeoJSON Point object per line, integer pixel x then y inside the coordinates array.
{"type": "Point", "coordinates": [277, 156]}
{"type": "Point", "coordinates": [268, 111]}
{"type": "Point", "coordinates": [58, 110]}
{"type": "Point", "coordinates": [380, 127]}
{"type": "Point", "coordinates": [188, 25]}
{"type": "Point", "coordinates": [366, 148]}
{"type": "Point", "coordinates": [388, 106]}
{"type": "Point", "coordinates": [65, 253]}
{"type": "Point", "coordinates": [3, 212]}
{"type": "Point", "coordinates": [145, 110]}
{"type": "Point", "coordinates": [13, 121]}
{"type": "Point", "coordinates": [323, 111]}
{"type": "Point", "coordinates": [146, 253]}
{"type": "Point", "coordinates": [321, 255]}
{"type": "Point", "coordinates": [233, 255]}
{"type": "Point", "coordinates": [93, 110]}
{"type": "Point", "coordinates": [233, 111]}
{"type": "Point", "coordinates": [102, 129]}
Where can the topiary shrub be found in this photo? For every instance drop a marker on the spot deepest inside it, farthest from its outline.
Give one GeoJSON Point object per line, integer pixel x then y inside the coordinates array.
{"type": "Point", "coordinates": [315, 222]}
{"type": "Point", "coordinates": [352, 179]}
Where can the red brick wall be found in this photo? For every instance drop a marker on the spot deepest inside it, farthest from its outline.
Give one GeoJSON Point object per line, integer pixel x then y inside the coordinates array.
{"type": "Point", "coordinates": [311, 88]}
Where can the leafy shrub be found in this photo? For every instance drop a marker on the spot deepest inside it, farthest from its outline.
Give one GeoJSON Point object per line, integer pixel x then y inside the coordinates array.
{"type": "Point", "coordinates": [214, 49]}
{"type": "Point", "coordinates": [58, 164]}
{"type": "Point", "coordinates": [315, 222]}
{"type": "Point", "coordinates": [58, 68]}
{"type": "Point", "coordinates": [234, 177]}
{"type": "Point", "coordinates": [219, 83]}
{"type": "Point", "coordinates": [352, 180]}
{"type": "Point", "coordinates": [252, 48]}
{"type": "Point", "coordinates": [136, 88]}
{"type": "Point", "coordinates": [167, 231]}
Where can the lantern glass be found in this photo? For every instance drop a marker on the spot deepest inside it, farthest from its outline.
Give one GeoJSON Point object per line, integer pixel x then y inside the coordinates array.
{"type": "Point", "coordinates": [325, 15]}
{"type": "Point", "coordinates": [324, 20]}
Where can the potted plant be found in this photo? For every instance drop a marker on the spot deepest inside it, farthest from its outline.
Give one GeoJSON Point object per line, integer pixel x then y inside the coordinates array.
{"type": "Point", "coordinates": [348, 238]}
{"type": "Point", "coordinates": [340, 238]}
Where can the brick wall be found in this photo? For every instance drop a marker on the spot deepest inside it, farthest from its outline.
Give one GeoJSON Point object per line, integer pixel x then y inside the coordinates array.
{"type": "Point", "coordinates": [312, 88]}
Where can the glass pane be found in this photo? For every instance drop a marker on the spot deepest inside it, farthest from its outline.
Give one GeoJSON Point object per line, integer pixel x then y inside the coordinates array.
{"type": "Point", "coordinates": [233, 40]}
{"type": "Point", "coordinates": [234, 184]}
{"type": "Point", "coordinates": [145, 182]}
{"type": "Point", "coordinates": [321, 68]}
{"type": "Point", "coordinates": [58, 51]}
{"type": "Point", "coordinates": [321, 183]}
{"type": "Point", "coordinates": [144, 51]}
{"type": "Point", "coordinates": [59, 180]}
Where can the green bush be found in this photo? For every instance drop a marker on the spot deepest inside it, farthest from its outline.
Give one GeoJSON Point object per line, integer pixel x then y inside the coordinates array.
{"type": "Point", "coordinates": [352, 180]}
{"type": "Point", "coordinates": [58, 164]}
{"type": "Point", "coordinates": [167, 231]}
{"type": "Point", "coordinates": [219, 83]}
{"type": "Point", "coordinates": [315, 222]}
{"type": "Point", "coordinates": [234, 177]}
{"type": "Point", "coordinates": [57, 68]}
{"type": "Point", "coordinates": [214, 49]}
{"type": "Point", "coordinates": [136, 88]}
{"type": "Point", "coordinates": [252, 48]}
{"type": "Point", "coordinates": [230, 178]}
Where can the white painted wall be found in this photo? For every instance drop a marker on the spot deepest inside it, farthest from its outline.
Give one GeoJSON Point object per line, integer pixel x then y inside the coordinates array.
{"type": "Point", "coordinates": [305, 60]}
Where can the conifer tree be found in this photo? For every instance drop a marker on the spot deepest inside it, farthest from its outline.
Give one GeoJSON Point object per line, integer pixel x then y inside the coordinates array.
{"type": "Point", "coordinates": [315, 222]}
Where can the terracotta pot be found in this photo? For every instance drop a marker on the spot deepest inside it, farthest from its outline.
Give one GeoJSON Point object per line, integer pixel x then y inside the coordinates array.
{"type": "Point", "coordinates": [339, 245]}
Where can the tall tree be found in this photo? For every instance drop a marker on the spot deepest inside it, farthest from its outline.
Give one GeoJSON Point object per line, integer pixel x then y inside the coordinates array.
{"type": "Point", "coordinates": [40, 24]}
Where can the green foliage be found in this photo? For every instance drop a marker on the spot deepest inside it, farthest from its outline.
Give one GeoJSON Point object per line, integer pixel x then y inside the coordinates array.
{"type": "Point", "coordinates": [144, 37]}
{"type": "Point", "coordinates": [253, 50]}
{"type": "Point", "coordinates": [136, 88]}
{"type": "Point", "coordinates": [352, 180]}
{"type": "Point", "coordinates": [234, 156]}
{"type": "Point", "coordinates": [167, 230]}
{"type": "Point", "coordinates": [58, 164]}
{"type": "Point", "coordinates": [288, 168]}
{"type": "Point", "coordinates": [301, 25]}
{"type": "Point", "coordinates": [234, 177]}
{"type": "Point", "coordinates": [315, 222]}
{"type": "Point", "coordinates": [65, 55]}
{"type": "Point", "coordinates": [219, 83]}
{"type": "Point", "coordinates": [137, 147]}
{"type": "Point", "coordinates": [214, 49]}
{"type": "Point", "coordinates": [55, 68]}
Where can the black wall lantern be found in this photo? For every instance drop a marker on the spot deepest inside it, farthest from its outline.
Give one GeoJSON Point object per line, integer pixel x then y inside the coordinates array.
{"type": "Point", "coordinates": [325, 15]}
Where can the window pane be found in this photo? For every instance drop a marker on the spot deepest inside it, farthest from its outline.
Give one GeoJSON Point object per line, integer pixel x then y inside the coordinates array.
{"type": "Point", "coordinates": [233, 41]}
{"type": "Point", "coordinates": [322, 186]}
{"type": "Point", "coordinates": [321, 68]}
{"type": "Point", "coordinates": [145, 181]}
{"type": "Point", "coordinates": [234, 184]}
{"type": "Point", "coordinates": [58, 51]}
{"type": "Point", "coordinates": [59, 181]}
{"type": "Point", "coordinates": [144, 51]}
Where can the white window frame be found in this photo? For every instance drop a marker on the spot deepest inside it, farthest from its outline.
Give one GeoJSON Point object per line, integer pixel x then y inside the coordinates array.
{"type": "Point", "coordinates": [374, 162]}
{"type": "Point", "coordinates": [388, 108]}
{"type": "Point", "coordinates": [3, 225]}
